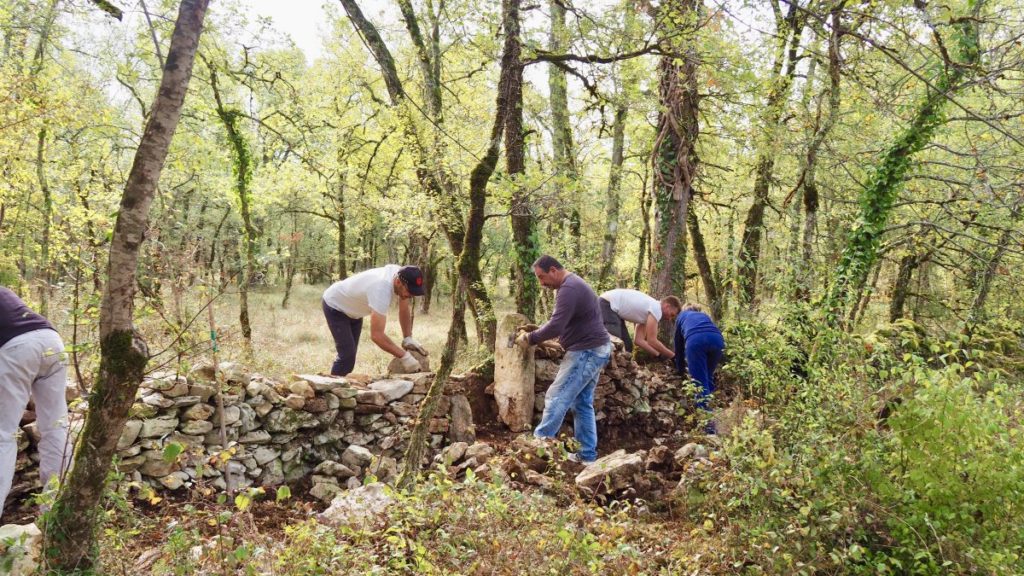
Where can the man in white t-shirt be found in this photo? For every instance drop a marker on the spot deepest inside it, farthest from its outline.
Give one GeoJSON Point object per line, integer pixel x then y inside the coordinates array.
{"type": "Point", "coordinates": [369, 293]}
{"type": "Point", "coordinates": [624, 305]}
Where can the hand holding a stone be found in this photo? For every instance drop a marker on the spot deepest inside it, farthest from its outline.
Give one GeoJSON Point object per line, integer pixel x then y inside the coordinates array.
{"type": "Point", "coordinates": [409, 363]}
{"type": "Point", "coordinates": [410, 343]}
{"type": "Point", "coordinates": [523, 340]}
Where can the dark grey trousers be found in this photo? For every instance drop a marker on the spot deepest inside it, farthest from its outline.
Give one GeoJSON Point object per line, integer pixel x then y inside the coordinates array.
{"type": "Point", "coordinates": [346, 339]}
{"type": "Point", "coordinates": [615, 325]}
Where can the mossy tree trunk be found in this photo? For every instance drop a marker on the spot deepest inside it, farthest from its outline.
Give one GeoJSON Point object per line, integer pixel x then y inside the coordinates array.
{"type": "Point", "coordinates": [707, 275]}
{"type": "Point", "coordinates": [431, 172]}
{"type": "Point", "coordinates": [242, 169]}
{"type": "Point", "coordinates": [674, 155]}
{"type": "Point", "coordinates": [470, 256]}
{"type": "Point", "coordinates": [878, 197]}
{"type": "Point", "coordinates": [804, 276]}
{"type": "Point", "coordinates": [563, 149]}
{"type": "Point", "coordinates": [522, 220]}
{"type": "Point", "coordinates": [788, 31]}
{"type": "Point", "coordinates": [988, 269]}
{"type": "Point", "coordinates": [71, 528]}
{"type": "Point", "coordinates": [613, 203]}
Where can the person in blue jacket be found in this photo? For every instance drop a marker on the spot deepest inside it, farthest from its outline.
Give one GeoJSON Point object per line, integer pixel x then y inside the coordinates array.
{"type": "Point", "coordinates": [699, 347]}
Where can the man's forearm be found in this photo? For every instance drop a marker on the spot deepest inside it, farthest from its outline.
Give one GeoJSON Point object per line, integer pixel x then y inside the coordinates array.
{"type": "Point", "coordinates": [405, 317]}
{"type": "Point", "coordinates": [662, 349]}
{"type": "Point", "coordinates": [388, 345]}
{"type": "Point", "coordinates": [647, 347]}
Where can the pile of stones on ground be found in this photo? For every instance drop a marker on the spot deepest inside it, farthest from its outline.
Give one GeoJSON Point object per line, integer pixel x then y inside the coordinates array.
{"type": "Point", "coordinates": [658, 472]}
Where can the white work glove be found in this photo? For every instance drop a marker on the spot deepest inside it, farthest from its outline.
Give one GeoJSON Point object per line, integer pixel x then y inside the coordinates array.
{"type": "Point", "coordinates": [410, 343]}
{"type": "Point", "coordinates": [409, 363]}
{"type": "Point", "coordinates": [523, 340]}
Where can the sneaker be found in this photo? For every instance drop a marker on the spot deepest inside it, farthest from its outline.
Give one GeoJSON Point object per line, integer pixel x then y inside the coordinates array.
{"type": "Point", "coordinates": [575, 457]}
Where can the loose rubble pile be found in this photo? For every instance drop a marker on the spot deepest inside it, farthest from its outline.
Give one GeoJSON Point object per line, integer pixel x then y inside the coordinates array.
{"type": "Point", "coordinates": [657, 472]}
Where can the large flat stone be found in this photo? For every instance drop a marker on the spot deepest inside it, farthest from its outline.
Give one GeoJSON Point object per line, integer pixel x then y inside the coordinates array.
{"type": "Point", "coordinates": [611, 473]}
{"type": "Point", "coordinates": [392, 389]}
{"type": "Point", "coordinates": [323, 383]}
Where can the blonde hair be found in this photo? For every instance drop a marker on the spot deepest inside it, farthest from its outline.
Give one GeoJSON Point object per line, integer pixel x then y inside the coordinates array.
{"type": "Point", "coordinates": [692, 306]}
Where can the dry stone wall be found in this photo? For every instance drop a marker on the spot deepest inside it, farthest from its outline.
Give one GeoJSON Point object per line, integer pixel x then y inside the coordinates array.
{"type": "Point", "coordinates": [631, 398]}
{"type": "Point", "coordinates": [339, 430]}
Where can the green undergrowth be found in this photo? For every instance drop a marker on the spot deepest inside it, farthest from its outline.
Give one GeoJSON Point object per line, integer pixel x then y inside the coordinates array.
{"type": "Point", "coordinates": [896, 453]}
{"type": "Point", "coordinates": [440, 527]}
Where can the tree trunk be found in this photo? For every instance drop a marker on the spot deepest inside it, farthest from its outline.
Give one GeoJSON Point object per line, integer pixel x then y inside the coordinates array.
{"type": "Point", "coordinates": [878, 197]}
{"type": "Point", "coordinates": [44, 187]}
{"type": "Point", "coordinates": [340, 222]}
{"type": "Point", "coordinates": [470, 257]}
{"type": "Point", "coordinates": [901, 285]}
{"type": "Point", "coordinates": [242, 168]}
{"type": "Point", "coordinates": [645, 234]}
{"type": "Point", "coordinates": [611, 227]}
{"type": "Point", "coordinates": [44, 248]}
{"type": "Point", "coordinates": [707, 276]}
{"type": "Point", "coordinates": [524, 225]}
{"type": "Point", "coordinates": [783, 70]}
{"type": "Point", "coordinates": [70, 532]}
{"type": "Point", "coordinates": [857, 314]}
{"type": "Point", "coordinates": [564, 153]}
{"type": "Point", "coordinates": [810, 183]}
{"type": "Point", "coordinates": [977, 312]}
{"type": "Point", "coordinates": [413, 462]}
{"type": "Point", "coordinates": [431, 172]}
{"type": "Point", "coordinates": [293, 258]}
{"type": "Point", "coordinates": [429, 278]}
{"type": "Point", "coordinates": [674, 156]}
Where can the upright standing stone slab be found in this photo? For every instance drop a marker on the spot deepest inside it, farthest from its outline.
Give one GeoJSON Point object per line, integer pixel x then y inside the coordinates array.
{"type": "Point", "coordinates": [514, 372]}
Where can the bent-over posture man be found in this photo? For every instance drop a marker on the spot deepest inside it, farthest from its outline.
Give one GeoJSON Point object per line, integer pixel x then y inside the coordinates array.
{"type": "Point", "coordinates": [576, 320]}
{"type": "Point", "coordinates": [700, 342]}
{"type": "Point", "coordinates": [369, 293]}
{"type": "Point", "coordinates": [32, 363]}
{"type": "Point", "coordinates": [624, 305]}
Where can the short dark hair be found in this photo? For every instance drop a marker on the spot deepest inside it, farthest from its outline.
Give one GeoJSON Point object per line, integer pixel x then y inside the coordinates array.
{"type": "Point", "coordinates": [673, 302]}
{"type": "Point", "coordinates": [547, 262]}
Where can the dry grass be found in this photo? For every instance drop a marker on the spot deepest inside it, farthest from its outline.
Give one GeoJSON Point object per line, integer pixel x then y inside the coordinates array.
{"type": "Point", "coordinates": [296, 339]}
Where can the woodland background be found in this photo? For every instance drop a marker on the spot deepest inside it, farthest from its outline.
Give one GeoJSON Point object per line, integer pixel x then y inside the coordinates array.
{"type": "Point", "coordinates": [840, 183]}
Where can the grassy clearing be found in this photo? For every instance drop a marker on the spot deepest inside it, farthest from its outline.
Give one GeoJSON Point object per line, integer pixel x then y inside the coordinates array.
{"type": "Point", "coordinates": [285, 341]}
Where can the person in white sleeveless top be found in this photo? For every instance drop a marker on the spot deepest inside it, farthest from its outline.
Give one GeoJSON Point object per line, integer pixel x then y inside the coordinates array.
{"type": "Point", "coordinates": [624, 305]}
{"type": "Point", "coordinates": [369, 293]}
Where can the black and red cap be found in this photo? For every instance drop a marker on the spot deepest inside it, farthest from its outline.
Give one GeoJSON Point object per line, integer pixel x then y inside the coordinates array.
{"type": "Point", "coordinates": [412, 277]}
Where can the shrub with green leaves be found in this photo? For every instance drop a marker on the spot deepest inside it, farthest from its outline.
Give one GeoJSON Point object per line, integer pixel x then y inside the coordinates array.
{"type": "Point", "coordinates": [933, 484]}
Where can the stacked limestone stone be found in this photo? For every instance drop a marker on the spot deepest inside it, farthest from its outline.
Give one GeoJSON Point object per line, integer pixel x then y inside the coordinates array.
{"type": "Point", "coordinates": [340, 430]}
{"type": "Point", "coordinates": [649, 398]}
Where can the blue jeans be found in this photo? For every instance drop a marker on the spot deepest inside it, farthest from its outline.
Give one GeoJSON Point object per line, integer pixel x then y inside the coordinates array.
{"type": "Point", "coordinates": [573, 389]}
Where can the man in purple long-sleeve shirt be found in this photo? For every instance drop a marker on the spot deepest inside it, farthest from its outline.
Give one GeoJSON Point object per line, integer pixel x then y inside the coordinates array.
{"type": "Point", "coordinates": [577, 323]}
